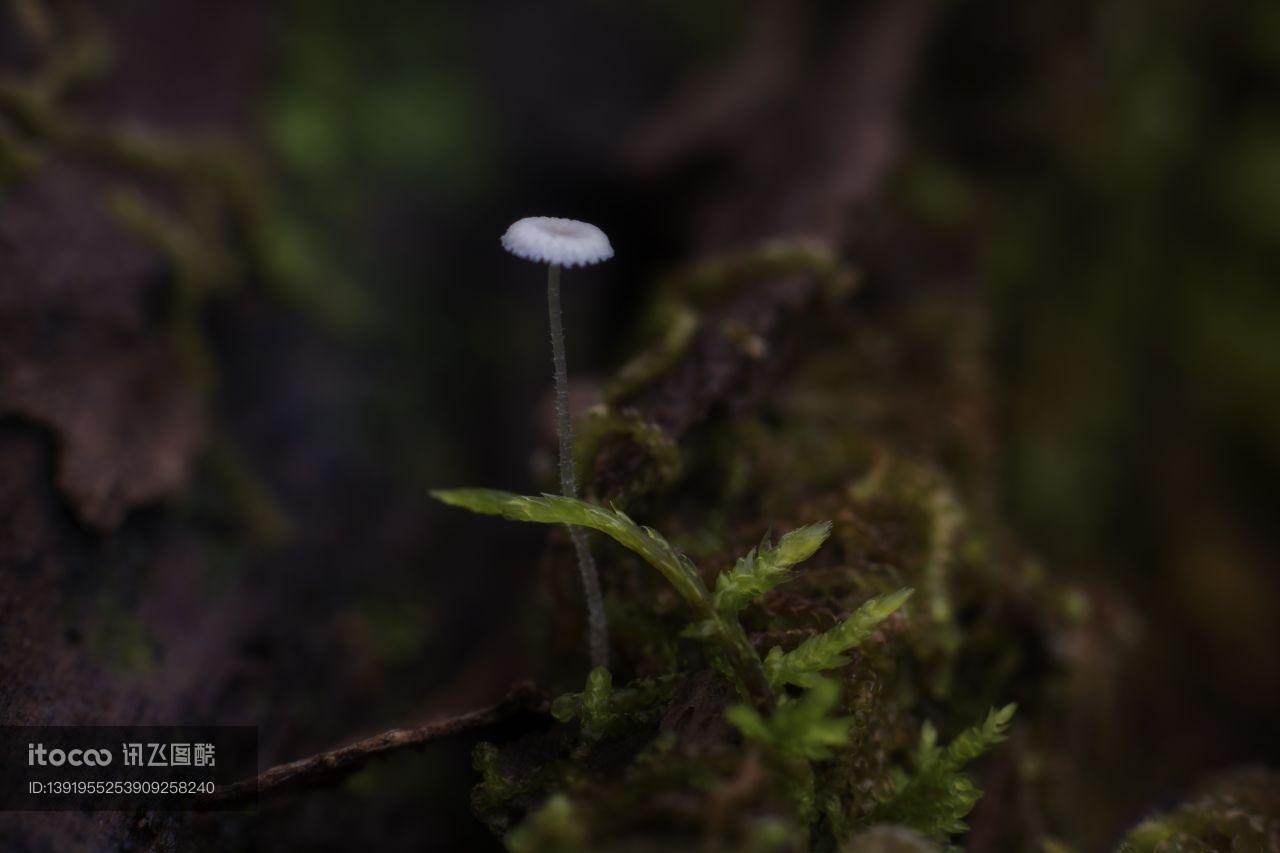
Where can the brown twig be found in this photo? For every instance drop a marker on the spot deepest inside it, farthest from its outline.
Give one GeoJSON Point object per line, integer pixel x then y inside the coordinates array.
{"type": "Point", "coordinates": [328, 767]}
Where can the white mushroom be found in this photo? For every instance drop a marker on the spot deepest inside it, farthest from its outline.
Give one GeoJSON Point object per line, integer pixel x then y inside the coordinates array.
{"type": "Point", "coordinates": [567, 243]}
{"type": "Point", "coordinates": [556, 241]}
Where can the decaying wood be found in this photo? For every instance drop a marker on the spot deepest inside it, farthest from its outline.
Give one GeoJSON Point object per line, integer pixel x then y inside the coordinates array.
{"type": "Point", "coordinates": [79, 354]}
{"type": "Point", "coordinates": [801, 168]}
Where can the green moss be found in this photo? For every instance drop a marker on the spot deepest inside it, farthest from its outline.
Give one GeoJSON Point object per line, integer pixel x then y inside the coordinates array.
{"type": "Point", "coordinates": [554, 826]}
{"type": "Point", "coordinates": [766, 567]}
{"type": "Point", "coordinates": [18, 160]}
{"type": "Point", "coordinates": [800, 732]}
{"type": "Point", "coordinates": [935, 796]}
{"type": "Point", "coordinates": [604, 425]}
{"type": "Point", "coordinates": [118, 640]}
{"type": "Point", "coordinates": [827, 650]}
{"type": "Point", "coordinates": [679, 329]}
{"type": "Point", "coordinates": [709, 280]}
{"type": "Point", "coordinates": [878, 493]}
{"type": "Point", "coordinates": [604, 712]}
{"type": "Point", "coordinates": [676, 317]}
{"type": "Point", "coordinates": [889, 839]}
{"type": "Point", "coordinates": [1236, 811]}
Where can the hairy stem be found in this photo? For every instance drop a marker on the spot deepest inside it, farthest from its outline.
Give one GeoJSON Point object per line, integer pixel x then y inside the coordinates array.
{"type": "Point", "coordinates": [597, 628]}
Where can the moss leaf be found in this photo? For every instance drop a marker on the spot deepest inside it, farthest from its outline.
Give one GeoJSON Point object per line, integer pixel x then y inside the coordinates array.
{"type": "Point", "coordinates": [802, 665]}
{"type": "Point", "coordinates": [553, 509]}
{"type": "Point", "coordinates": [766, 567]}
{"type": "Point", "coordinates": [935, 799]}
{"type": "Point", "coordinates": [799, 728]}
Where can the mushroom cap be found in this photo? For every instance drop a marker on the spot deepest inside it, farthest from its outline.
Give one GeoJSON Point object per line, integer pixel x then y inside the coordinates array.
{"type": "Point", "coordinates": [552, 240]}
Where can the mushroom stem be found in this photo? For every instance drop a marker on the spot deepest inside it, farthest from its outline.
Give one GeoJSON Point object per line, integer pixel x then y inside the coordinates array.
{"type": "Point", "coordinates": [597, 627]}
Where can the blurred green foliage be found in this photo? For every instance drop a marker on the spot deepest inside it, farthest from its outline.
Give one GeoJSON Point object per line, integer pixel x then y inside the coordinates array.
{"type": "Point", "coordinates": [1121, 159]}
{"type": "Point", "coordinates": [1132, 271]}
{"type": "Point", "coordinates": [376, 109]}
{"type": "Point", "coordinates": [375, 92]}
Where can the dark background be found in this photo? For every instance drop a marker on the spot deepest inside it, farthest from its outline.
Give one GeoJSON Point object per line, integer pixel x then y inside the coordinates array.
{"type": "Point", "coordinates": [1102, 180]}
